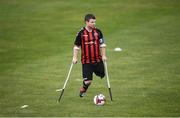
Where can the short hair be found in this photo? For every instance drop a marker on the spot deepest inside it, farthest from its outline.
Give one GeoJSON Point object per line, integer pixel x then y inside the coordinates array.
{"type": "Point", "coordinates": [88, 17]}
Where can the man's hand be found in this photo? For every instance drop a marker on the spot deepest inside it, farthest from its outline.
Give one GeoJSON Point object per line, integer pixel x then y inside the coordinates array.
{"type": "Point", "coordinates": [74, 60]}
{"type": "Point", "coordinates": [104, 58]}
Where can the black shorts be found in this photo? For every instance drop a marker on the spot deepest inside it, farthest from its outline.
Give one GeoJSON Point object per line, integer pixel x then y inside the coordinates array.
{"type": "Point", "coordinates": [89, 69]}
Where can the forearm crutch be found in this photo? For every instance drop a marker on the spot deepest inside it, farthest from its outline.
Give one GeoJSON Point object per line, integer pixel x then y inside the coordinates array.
{"type": "Point", "coordinates": [107, 78]}
{"type": "Point", "coordinates": [62, 90]}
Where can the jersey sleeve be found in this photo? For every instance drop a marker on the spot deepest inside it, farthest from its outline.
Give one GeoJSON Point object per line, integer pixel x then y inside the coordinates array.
{"type": "Point", "coordinates": [101, 39]}
{"type": "Point", "coordinates": [78, 39]}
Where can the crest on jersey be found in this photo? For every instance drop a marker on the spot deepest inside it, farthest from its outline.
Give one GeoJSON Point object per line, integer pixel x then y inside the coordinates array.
{"type": "Point", "coordinates": [95, 34]}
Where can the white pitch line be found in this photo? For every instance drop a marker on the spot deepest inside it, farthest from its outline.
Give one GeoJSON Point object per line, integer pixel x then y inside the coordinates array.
{"type": "Point", "coordinates": [58, 90]}
{"type": "Point", "coordinates": [24, 106]}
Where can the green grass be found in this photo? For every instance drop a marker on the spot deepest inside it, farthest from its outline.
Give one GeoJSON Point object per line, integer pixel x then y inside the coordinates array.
{"type": "Point", "coordinates": [36, 40]}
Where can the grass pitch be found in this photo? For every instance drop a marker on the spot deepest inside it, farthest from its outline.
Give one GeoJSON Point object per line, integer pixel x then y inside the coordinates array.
{"type": "Point", "coordinates": [36, 40]}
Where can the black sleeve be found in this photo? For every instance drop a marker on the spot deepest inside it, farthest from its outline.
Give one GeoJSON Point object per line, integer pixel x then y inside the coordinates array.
{"type": "Point", "coordinates": [78, 39]}
{"type": "Point", "coordinates": [100, 35]}
{"type": "Point", "coordinates": [101, 38]}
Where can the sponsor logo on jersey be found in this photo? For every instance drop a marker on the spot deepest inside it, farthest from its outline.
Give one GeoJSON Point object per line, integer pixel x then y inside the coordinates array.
{"type": "Point", "coordinates": [85, 35]}
{"type": "Point", "coordinates": [91, 42]}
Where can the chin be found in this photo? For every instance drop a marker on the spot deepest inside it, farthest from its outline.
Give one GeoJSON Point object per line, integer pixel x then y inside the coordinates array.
{"type": "Point", "coordinates": [93, 27]}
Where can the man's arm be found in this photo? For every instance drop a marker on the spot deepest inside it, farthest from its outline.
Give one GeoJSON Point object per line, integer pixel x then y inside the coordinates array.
{"type": "Point", "coordinates": [75, 54]}
{"type": "Point", "coordinates": [102, 46]}
{"type": "Point", "coordinates": [103, 52]}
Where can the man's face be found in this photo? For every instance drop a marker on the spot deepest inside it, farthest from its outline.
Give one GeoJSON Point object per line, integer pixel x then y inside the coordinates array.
{"type": "Point", "coordinates": [91, 23]}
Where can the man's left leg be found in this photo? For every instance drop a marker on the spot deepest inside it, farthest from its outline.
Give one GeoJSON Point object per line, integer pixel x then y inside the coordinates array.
{"type": "Point", "coordinates": [87, 78]}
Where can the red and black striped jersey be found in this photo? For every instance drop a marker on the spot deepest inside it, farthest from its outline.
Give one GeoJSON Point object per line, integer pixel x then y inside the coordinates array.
{"type": "Point", "coordinates": [90, 43]}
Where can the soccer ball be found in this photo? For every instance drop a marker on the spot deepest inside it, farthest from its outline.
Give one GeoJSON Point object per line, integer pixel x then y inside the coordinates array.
{"type": "Point", "coordinates": [99, 99]}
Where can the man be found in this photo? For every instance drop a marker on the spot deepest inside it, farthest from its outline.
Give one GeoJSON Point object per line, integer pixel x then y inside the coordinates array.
{"type": "Point", "coordinates": [90, 40]}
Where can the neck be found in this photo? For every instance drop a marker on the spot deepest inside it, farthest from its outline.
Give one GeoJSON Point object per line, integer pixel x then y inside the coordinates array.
{"type": "Point", "coordinates": [89, 29]}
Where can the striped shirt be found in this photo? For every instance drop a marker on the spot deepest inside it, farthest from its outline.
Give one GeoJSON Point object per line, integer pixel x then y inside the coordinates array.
{"type": "Point", "coordinates": [90, 43]}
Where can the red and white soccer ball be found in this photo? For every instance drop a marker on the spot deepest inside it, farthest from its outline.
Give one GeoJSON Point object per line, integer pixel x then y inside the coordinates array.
{"type": "Point", "coordinates": [99, 99]}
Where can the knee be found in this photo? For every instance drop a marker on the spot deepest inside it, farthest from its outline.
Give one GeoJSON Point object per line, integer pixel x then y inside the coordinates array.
{"type": "Point", "coordinates": [87, 82]}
